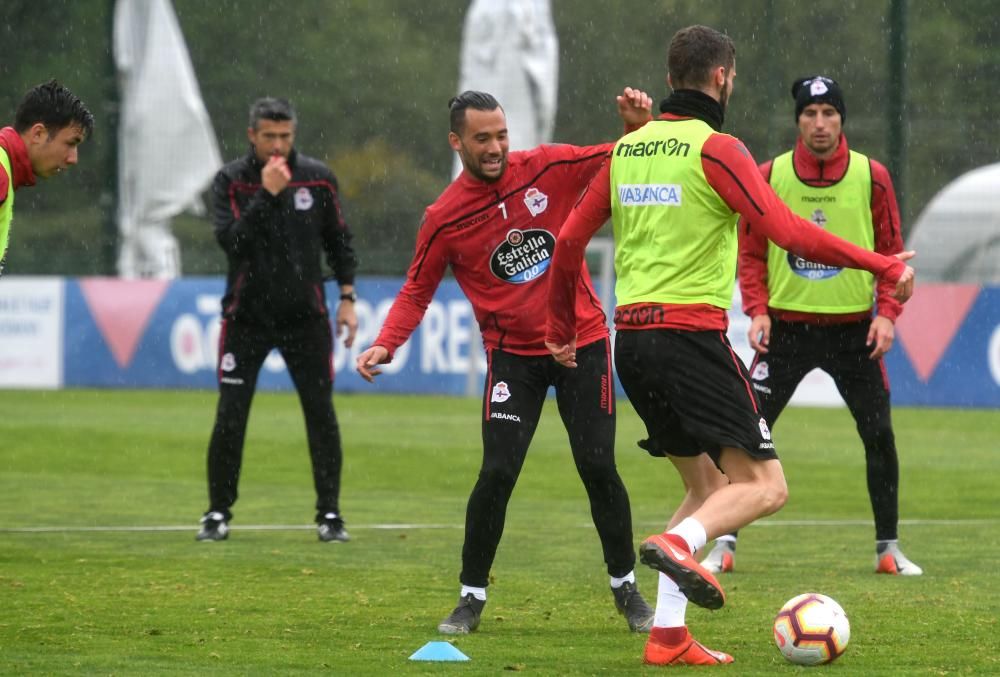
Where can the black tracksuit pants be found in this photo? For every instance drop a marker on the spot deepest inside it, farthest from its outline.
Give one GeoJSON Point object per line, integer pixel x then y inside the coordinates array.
{"type": "Point", "coordinates": [797, 348]}
{"type": "Point", "coordinates": [307, 348]}
{"type": "Point", "coordinates": [516, 387]}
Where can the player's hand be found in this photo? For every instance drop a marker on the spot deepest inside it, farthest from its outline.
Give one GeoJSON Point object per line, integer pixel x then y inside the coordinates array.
{"type": "Point", "coordinates": [368, 362]}
{"type": "Point", "coordinates": [347, 322]}
{"type": "Point", "coordinates": [760, 333]}
{"type": "Point", "coordinates": [881, 334]}
{"type": "Point", "coordinates": [564, 355]}
{"type": "Point", "coordinates": [635, 107]}
{"type": "Point", "coordinates": [275, 175]}
{"type": "Point", "coordinates": [904, 285]}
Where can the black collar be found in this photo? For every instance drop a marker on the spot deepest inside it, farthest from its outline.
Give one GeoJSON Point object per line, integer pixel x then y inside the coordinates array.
{"type": "Point", "coordinates": [695, 104]}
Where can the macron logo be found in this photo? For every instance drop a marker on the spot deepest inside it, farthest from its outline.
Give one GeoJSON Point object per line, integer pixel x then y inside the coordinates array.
{"type": "Point", "coordinates": [649, 194]}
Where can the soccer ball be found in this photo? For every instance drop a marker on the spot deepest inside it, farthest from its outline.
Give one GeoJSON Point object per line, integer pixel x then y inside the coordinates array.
{"type": "Point", "coordinates": [811, 629]}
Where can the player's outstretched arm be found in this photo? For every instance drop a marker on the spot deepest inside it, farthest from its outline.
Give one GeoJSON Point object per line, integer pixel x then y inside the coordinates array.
{"type": "Point", "coordinates": [368, 361]}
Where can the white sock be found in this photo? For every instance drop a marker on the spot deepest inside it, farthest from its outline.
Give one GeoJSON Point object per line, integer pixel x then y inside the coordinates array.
{"type": "Point", "coordinates": [692, 532]}
{"type": "Point", "coordinates": [726, 538]}
{"type": "Point", "coordinates": [627, 578]}
{"type": "Point", "coordinates": [478, 593]}
{"type": "Point", "coordinates": [670, 604]}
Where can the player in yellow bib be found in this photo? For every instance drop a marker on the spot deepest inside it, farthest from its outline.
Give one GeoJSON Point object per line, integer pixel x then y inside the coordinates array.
{"type": "Point", "coordinates": [49, 125]}
{"type": "Point", "coordinates": [806, 315]}
{"type": "Point", "coordinates": [674, 189]}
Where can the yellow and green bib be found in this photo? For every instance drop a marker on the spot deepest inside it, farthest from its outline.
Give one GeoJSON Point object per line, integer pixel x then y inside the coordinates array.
{"type": "Point", "coordinates": [7, 206]}
{"type": "Point", "coordinates": [675, 238]}
{"type": "Point", "coordinates": [843, 209]}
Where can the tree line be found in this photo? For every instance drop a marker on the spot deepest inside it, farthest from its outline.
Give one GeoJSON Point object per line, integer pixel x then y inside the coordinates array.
{"type": "Point", "coordinates": [371, 80]}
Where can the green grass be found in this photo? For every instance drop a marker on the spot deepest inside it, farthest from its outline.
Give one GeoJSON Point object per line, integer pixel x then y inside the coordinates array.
{"type": "Point", "coordinates": [90, 600]}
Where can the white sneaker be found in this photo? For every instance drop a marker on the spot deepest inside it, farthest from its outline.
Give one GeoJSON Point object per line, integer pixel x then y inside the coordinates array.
{"type": "Point", "coordinates": [890, 560]}
{"type": "Point", "coordinates": [722, 558]}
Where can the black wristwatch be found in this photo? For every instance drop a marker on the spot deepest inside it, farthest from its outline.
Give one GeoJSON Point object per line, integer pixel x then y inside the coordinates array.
{"type": "Point", "coordinates": [351, 296]}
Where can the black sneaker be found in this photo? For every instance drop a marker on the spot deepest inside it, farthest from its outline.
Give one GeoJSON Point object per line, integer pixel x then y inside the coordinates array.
{"type": "Point", "coordinates": [633, 607]}
{"type": "Point", "coordinates": [331, 529]}
{"type": "Point", "coordinates": [214, 527]}
{"type": "Point", "coordinates": [465, 618]}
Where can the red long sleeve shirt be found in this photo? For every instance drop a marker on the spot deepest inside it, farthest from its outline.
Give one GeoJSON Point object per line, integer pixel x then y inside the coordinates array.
{"type": "Point", "coordinates": [20, 164]}
{"type": "Point", "coordinates": [885, 219]}
{"type": "Point", "coordinates": [733, 174]}
{"type": "Point", "coordinates": [498, 239]}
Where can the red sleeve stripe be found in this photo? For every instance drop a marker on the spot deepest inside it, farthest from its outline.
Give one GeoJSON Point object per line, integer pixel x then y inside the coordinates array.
{"type": "Point", "coordinates": [739, 372]}
{"type": "Point", "coordinates": [489, 384]}
{"type": "Point", "coordinates": [222, 349]}
{"type": "Point", "coordinates": [885, 374]}
{"type": "Point", "coordinates": [610, 375]}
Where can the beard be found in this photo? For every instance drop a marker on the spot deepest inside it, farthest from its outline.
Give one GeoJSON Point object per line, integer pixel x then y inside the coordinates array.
{"type": "Point", "coordinates": [724, 97]}
{"type": "Point", "coordinates": [474, 166]}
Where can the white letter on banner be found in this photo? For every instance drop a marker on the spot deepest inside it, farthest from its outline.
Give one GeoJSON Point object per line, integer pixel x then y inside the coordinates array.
{"type": "Point", "coordinates": [212, 332]}
{"type": "Point", "coordinates": [187, 344]}
{"type": "Point", "coordinates": [993, 355]}
{"type": "Point", "coordinates": [458, 336]}
{"type": "Point", "coordinates": [432, 336]}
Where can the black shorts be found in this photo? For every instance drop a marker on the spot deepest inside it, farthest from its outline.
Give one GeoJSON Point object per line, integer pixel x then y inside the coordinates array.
{"type": "Point", "coordinates": [692, 392]}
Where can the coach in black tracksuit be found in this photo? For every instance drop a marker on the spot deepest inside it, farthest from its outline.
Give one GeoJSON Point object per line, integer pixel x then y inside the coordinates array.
{"type": "Point", "coordinates": [276, 211]}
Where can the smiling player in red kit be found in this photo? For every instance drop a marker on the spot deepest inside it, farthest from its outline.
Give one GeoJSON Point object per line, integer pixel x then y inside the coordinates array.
{"type": "Point", "coordinates": [496, 227]}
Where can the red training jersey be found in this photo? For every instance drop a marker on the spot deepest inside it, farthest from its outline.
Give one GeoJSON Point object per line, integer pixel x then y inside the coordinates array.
{"type": "Point", "coordinates": [499, 239]}
{"type": "Point", "coordinates": [732, 172]}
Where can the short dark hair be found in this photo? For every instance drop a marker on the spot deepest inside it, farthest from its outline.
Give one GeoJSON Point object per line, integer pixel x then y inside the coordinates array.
{"type": "Point", "coordinates": [469, 99]}
{"type": "Point", "coordinates": [695, 52]}
{"type": "Point", "coordinates": [270, 108]}
{"type": "Point", "coordinates": [55, 107]}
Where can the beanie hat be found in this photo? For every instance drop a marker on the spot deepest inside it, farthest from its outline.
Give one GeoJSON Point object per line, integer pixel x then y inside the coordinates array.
{"type": "Point", "coordinates": [818, 89]}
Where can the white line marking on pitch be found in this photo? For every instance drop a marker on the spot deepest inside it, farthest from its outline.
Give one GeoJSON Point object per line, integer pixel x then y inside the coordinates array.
{"type": "Point", "coordinates": [404, 527]}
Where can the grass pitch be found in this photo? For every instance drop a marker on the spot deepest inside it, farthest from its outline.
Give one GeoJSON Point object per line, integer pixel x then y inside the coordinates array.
{"type": "Point", "coordinates": [100, 572]}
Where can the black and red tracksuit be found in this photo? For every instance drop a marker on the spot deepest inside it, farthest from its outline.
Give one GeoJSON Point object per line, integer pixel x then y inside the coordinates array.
{"type": "Point", "coordinates": [275, 299]}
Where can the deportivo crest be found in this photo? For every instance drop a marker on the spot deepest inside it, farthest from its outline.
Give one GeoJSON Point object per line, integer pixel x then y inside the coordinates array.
{"type": "Point", "coordinates": [536, 201]}
{"type": "Point", "coordinates": [501, 393]}
{"type": "Point", "coordinates": [303, 199]}
{"type": "Point", "coordinates": [228, 362]}
{"type": "Point", "coordinates": [760, 372]}
{"type": "Point", "coordinates": [523, 255]}
{"type": "Point", "coordinates": [765, 432]}
{"type": "Point", "coordinates": [809, 269]}
{"type": "Point", "coordinates": [818, 87]}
